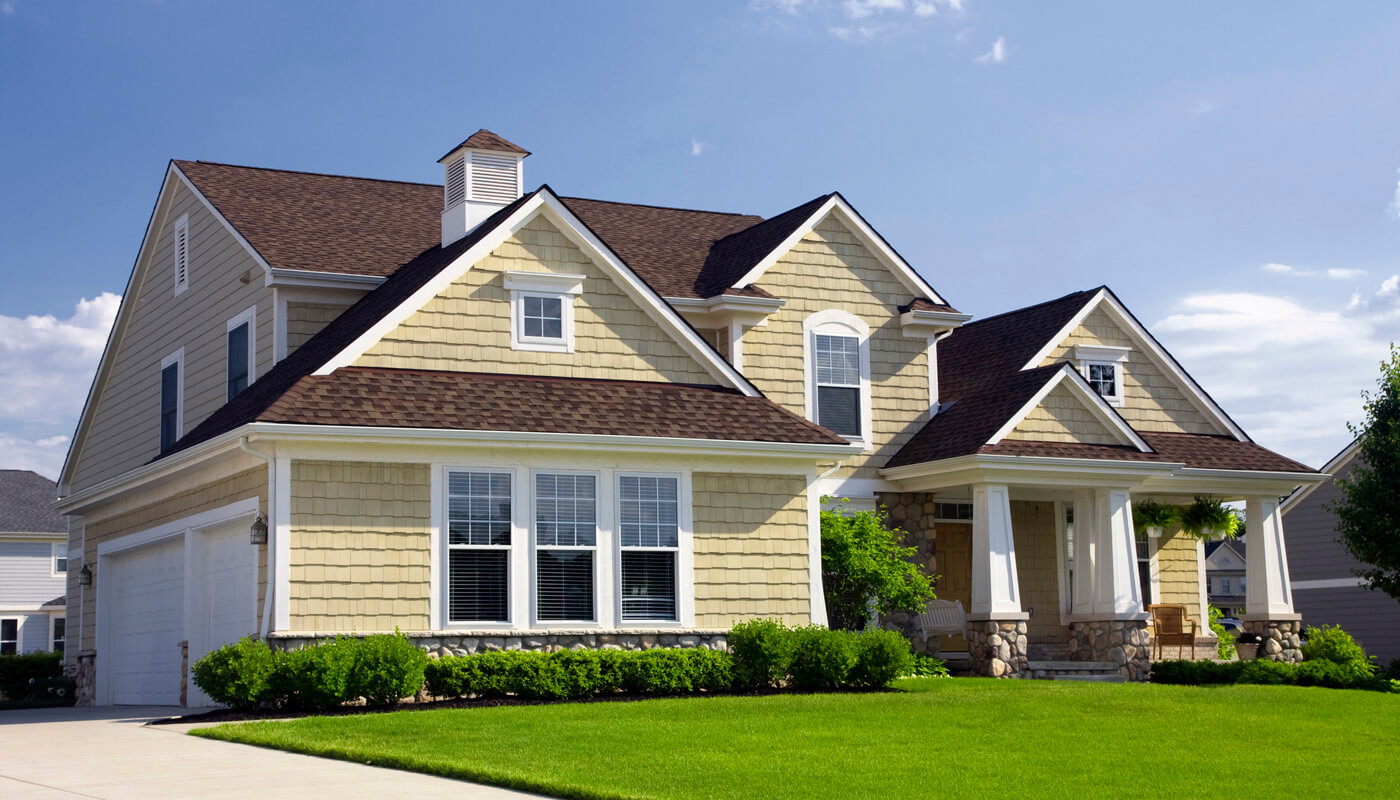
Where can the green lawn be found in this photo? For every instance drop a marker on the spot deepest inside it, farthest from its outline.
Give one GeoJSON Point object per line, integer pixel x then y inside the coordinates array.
{"type": "Point", "coordinates": [935, 738]}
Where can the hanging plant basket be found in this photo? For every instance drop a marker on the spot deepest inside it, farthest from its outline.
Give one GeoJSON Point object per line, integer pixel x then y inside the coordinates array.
{"type": "Point", "coordinates": [1209, 518]}
{"type": "Point", "coordinates": [1154, 517]}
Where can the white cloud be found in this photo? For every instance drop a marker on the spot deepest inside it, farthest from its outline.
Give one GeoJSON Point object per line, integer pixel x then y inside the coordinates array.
{"type": "Point", "coordinates": [1337, 274]}
{"type": "Point", "coordinates": [7, 7]}
{"type": "Point", "coordinates": [1282, 269]}
{"type": "Point", "coordinates": [698, 148]}
{"type": "Point", "coordinates": [1289, 372]}
{"type": "Point", "coordinates": [1204, 107]}
{"type": "Point", "coordinates": [784, 6]}
{"type": "Point", "coordinates": [996, 55]}
{"type": "Point", "coordinates": [962, 36]}
{"type": "Point", "coordinates": [860, 9]}
{"type": "Point", "coordinates": [44, 456]}
{"type": "Point", "coordinates": [860, 34]}
{"type": "Point", "coordinates": [922, 9]}
{"type": "Point", "coordinates": [1394, 207]}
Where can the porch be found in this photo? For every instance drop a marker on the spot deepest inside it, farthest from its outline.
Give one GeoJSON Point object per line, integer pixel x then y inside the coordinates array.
{"type": "Point", "coordinates": [1046, 561]}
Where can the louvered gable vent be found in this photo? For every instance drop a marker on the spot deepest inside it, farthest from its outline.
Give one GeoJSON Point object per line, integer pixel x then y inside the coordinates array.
{"type": "Point", "coordinates": [456, 183]}
{"type": "Point", "coordinates": [182, 253]}
{"type": "Point", "coordinates": [495, 179]}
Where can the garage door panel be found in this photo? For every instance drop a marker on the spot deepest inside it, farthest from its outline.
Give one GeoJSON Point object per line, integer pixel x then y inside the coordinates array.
{"type": "Point", "coordinates": [147, 623]}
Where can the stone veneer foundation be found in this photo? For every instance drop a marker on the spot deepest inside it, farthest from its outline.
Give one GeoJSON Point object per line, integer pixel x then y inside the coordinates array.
{"type": "Point", "coordinates": [999, 648]}
{"type": "Point", "coordinates": [1278, 638]}
{"type": "Point", "coordinates": [465, 643]}
{"type": "Point", "coordinates": [912, 513]}
{"type": "Point", "coordinates": [1123, 642]}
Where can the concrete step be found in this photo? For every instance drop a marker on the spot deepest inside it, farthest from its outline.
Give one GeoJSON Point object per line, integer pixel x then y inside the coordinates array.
{"type": "Point", "coordinates": [1075, 666]}
{"type": "Point", "coordinates": [1114, 678]}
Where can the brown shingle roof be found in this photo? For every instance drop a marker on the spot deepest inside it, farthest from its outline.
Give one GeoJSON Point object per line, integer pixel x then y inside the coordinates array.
{"type": "Point", "coordinates": [486, 140]}
{"type": "Point", "coordinates": [491, 402]}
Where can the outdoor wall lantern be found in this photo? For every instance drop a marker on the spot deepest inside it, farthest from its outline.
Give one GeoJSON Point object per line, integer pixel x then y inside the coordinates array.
{"type": "Point", "coordinates": [85, 576]}
{"type": "Point", "coordinates": [257, 534]}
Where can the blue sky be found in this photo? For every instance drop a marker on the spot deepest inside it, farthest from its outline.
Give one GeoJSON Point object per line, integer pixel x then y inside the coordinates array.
{"type": "Point", "coordinates": [1229, 169]}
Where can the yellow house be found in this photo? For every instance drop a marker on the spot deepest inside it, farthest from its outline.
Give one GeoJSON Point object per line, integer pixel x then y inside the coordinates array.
{"type": "Point", "coordinates": [492, 418]}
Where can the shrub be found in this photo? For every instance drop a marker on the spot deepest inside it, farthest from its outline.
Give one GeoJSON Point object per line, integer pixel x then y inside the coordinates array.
{"type": "Point", "coordinates": [762, 650]}
{"type": "Point", "coordinates": [387, 668]}
{"type": "Point", "coordinates": [237, 674]}
{"type": "Point", "coordinates": [1196, 673]}
{"type": "Point", "coordinates": [34, 677]}
{"type": "Point", "coordinates": [317, 676]}
{"type": "Point", "coordinates": [1264, 671]}
{"type": "Point", "coordinates": [574, 674]}
{"type": "Point", "coordinates": [864, 557]}
{"type": "Point", "coordinates": [1331, 643]}
{"type": "Point", "coordinates": [923, 665]}
{"type": "Point", "coordinates": [1225, 643]}
{"type": "Point", "coordinates": [821, 658]}
{"type": "Point", "coordinates": [1338, 675]}
{"type": "Point", "coordinates": [882, 656]}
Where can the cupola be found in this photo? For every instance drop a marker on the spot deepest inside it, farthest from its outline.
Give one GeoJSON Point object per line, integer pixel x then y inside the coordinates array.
{"type": "Point", "coordinates": [480, 176]}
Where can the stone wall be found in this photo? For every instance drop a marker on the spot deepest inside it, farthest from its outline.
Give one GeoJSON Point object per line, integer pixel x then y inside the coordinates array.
{"type": "Point", "coordinates": [999, 649]}
{"type": "Point", "coordinates": [1123, 642]}
{"type": "Point", "coordinates": [912, 513]}
{"type": "Point", "coordinates": [468, 643]}
{"type": "Point", "coordinates": [1278, 639]}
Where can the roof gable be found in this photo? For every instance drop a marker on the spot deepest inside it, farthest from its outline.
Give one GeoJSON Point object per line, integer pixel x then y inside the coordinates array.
{"type": "Point", "coordinates": [1065, 411]}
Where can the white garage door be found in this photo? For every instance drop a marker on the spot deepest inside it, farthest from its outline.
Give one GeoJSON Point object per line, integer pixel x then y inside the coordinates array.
{"type": "Point", "coordinates": [147, 622]}
{"type": "Point", "coordinates": [224, 602]}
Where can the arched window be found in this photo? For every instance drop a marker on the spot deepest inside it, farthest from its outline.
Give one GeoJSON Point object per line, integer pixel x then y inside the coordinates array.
{"type": "Point", "coordinates": [836, 361]}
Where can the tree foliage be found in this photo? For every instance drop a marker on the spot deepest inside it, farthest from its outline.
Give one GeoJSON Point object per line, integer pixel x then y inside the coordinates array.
{"type": "Point", "coordinates": [1368, 515]}
{"type": "Point", "coordinates": [864, 559]}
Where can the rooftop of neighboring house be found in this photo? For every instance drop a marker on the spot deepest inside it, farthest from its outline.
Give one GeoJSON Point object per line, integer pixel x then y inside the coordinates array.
{"type": "Point", "coordinates": [25, 503]}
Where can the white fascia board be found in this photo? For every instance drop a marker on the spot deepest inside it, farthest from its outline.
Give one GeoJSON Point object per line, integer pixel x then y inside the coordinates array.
{"type": "Point", "coordinates": [1231, 485]}
{"type": "Point", "coordinates": [1041, 471]}
{"type": "Point", "coordinates": [1091, 400]}
{"type": "Point", "coordinates": [723, 310]}
{"type": "Point", "coordinates": [911, 279]}
{"type": "Point", "coordinates": [321, 280]}
{"type": "Point", "coordinates": [550, 282]}
{"type": "Point", "coordinates": [194, 456]}
{"type": "Point", "coordinates": [919, 323]}
{"type": "Point", "coordinates": [567, 441]}
{"type": "Point", "coordinates": [1338, 462]}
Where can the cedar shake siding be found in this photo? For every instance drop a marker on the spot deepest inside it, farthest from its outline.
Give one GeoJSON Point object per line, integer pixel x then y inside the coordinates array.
{"type": "Point", "coordinates": [1178, 574]}
{"type": "Point", "coordinates": [1063, 417]}
{"type": "Point", "coordinates": [305, 320]}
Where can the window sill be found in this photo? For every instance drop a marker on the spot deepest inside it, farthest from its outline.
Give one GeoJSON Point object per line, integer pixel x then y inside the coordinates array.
{"type": "Point", "coordinates": [543, 347]}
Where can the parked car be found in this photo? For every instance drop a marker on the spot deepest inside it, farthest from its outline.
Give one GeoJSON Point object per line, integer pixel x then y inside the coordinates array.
{"type": "Point", "coordinates": [1234, 626]}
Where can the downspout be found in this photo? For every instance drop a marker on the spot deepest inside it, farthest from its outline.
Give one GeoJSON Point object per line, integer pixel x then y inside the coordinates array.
{"type": "Point", "coordinates": [271, 545]}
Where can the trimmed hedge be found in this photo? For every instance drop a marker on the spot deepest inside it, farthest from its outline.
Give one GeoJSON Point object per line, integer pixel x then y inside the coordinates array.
{"type": "Point", "coordinates": [768, 653]}
{"type": "Point", "coordinates": [1334, 660]}
{"type": "Point", "coordinates": [239, 675]}
{"type": "Point", "coordinates": [35, 678]}
{"type": "Point", "coordinates": [576, 674]}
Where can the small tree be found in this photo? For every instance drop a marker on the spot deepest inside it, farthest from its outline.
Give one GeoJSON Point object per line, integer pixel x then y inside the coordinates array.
{"type": "Point", "coordinates": [864, 560]}
{"type": "Point", "coordinates": [1368, 515]}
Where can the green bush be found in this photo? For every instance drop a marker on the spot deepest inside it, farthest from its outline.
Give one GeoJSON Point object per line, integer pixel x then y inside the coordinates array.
{"type": "Point", "coordinates": [574, 674]}
{"type": "Point", "coordinates": [923, 665]}
{"type": "Point", "coordinates": [821, 658]}
{"type": "Point", "coordinates": [317, 676]}
{"type": "Point", "coordinates": [1331, 643]}
{"type": "Point", "coordinates": [1224, 642]}
{"type": "Point", "coordinates": [1195, 673]}
{"type": "Point", "coordinates": [762, 650]}
{"type": "Point", "coordinates": [1264, 671]}
{"type": "Point", "coordinates": [387, 668]}
{"type": "Point", "coordinates": [35, 678]}
{"type": "Point", "coordinates": [237, 674]}
{"type": "Point", "coordinates": [1335, 675]}
{"type": "Point", "coordinates": [882, 656]}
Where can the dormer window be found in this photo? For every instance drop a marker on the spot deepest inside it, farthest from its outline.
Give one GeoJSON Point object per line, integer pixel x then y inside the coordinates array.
{"type": "Point", "coordinates": [1103, 367]}
{"type": "Point", "coordinates": [542, 310]}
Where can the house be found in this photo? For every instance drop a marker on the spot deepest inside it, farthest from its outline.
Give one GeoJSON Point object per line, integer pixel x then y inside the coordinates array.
{"type": "Point", "coordinates": [1225, 576]}
{"type": "Point", "coordinates": [493, 418]}
{"type": "Point", "coordinates": [33, 565]}
{"type": "Point", "coordinates": [1327, 591]}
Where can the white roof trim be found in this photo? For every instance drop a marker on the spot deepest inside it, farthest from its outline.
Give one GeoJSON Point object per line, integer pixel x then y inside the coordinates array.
{"type": "Point", "coordinates": [1330, 469]}
{"type": "Point", "coordinates": [1081, 389]}
{"type": "Point", "coordinates": [544, 201]}
{"type": "Point", "coordinates": [912, 281]}
{"type": "Point", "coordinates": [228, 226]}
{"type": "Point", "coordinates": [280, 276]}
{"type": "Point", "coordinates": [1152, 349]}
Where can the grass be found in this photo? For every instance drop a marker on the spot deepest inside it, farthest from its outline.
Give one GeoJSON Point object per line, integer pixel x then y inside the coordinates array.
{"type": "Point", "coordinates": [934, 738]}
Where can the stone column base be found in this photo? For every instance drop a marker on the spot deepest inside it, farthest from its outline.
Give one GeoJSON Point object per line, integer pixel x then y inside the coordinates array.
{"type": "Point", "coordinates": [999, 648]}
{"type": "Point", "coordinates": [1123, 642]}
{"type": "Point", "coordinates": [85, 679]}
{"type": "Point", "coordinates": [1278, 638]}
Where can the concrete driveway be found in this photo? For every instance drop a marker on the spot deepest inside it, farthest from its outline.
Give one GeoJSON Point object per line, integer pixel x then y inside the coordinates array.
{"type": "Point", "coordinates": [106, 753]}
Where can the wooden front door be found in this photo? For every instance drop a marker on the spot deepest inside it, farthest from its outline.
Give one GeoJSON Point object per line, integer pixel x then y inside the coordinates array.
{"type": "Point", "coordinates": [953, 548]}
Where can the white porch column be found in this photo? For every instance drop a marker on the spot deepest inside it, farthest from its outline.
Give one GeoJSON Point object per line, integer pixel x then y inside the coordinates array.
{"type": "Point", "coordinates": [1085, 538]}
{"type": "Point", "coordinates": [1117, 594]}
{"type": "Point", "coordinates": [1268, 594]}
{"type": "Point", "coordinates": [994, 591]}
{"type": "Point", "coordinates": [1107, 622]}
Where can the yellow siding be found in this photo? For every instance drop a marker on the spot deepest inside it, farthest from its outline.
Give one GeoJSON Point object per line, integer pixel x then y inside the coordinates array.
{"type": "Point", "coordinates": [830, 269]}
{"type": "Point", "coordinates": [467, 327]}
{"type": "Point", "coordinates": [1152, 401]}
{"type": "Point", "coordinates": [100, 526]}
{"type": "Point", "coordinates": [1037, 567]}
{"type": "Point", "coordinates": [305, 320]}
{"type": "Point", "coordinates": [1179, 576]}
{"type": "Point", "coordinates": [124, 430]}
{"type": "Point", "coordinates": [1062, 417]}
{"type": "Point", "coordinates": [750, 549]}
{"type": "Point", "coordinates": [360, 546]}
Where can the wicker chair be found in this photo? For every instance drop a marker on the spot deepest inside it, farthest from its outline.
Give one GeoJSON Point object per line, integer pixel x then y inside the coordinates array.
{"type": "Point", "coordinates": [1169, 623]}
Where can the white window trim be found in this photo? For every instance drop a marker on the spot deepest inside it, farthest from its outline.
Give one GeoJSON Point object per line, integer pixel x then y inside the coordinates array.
{"type": "Point", "coordinates": [603, 544]}
{"type": "Point", "coordinates": [53, 560]}
{"type": "Point", "coordinates": [182, 227]}
{"type": "Point", "coordinates": [519, 533]}
{"type": "Point", "coordinates": [250, 316]}
{"type": "Point", "coordinates": [684, 550]}
{"type": "Point", "coordinates": [952, 520]}
{"type": "Point", "coordinates": [1104, 355]}
{"type": "Point", "coordinates": [542, 284]}
{"type": "Point", "coordinates": [836, 322]}
{"type": "Point", "coordinates": [177, 357]}
{"type": "Point", "coordinates": [53, 621]}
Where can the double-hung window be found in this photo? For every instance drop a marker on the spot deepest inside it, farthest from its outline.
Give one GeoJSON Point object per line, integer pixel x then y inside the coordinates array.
{"type": "Point", "coordinates": [478, 546]}
{"type": "Point", "coordinates": [239, 361]}
{"type": "Point", "coordinates": [60, 559]}
{"type": "Point", "coordinates": [838, 383]}
{"type": "Point", "coordinates": [9, 637]}
{"type": "Point", "coordinates": [60, 626]}
{"type": "Point", "coordinates": [566, 543]}
{"type": "Point", "coordinates": [171, 389]}
{"type": "Point", "coordinates": [649, 531]}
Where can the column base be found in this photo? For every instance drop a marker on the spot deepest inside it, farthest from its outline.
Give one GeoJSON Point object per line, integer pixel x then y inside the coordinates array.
{"type": "Point", "coordinates": [1123, 642]}
{"type": "Point", "coordinates": [999, 648]}
{"type": "Point", "coordinates": [1278, 638]}
{"type": "Point", "coordinates": [85, 680]}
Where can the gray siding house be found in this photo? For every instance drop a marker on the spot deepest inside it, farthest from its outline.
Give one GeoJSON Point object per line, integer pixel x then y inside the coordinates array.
{"type": "Point", "coordinates": [33, 564]}
{"type": "Point", "coordinates": [1325, 591]}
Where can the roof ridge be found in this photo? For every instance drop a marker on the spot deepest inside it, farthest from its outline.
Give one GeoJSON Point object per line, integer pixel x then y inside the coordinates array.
{"type": "Point", "coordinates": [304, 172]}
{"type": "Point", "coordinates": [1030, 307]}
{"type": "Point", "coordinates": [661, 207]}
{"type": "Point", "coordinates": [514, 376]}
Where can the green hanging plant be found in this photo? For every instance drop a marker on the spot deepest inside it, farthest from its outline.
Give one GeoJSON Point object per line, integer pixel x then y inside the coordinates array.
{"type": "Point", "coordinates": [1207, 518]}
{"type": "Point", "coordinates": [1154, 517]}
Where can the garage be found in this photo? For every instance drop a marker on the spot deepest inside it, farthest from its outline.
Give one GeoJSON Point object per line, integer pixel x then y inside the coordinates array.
{"type": "Point", "coordinates": [146, 615]}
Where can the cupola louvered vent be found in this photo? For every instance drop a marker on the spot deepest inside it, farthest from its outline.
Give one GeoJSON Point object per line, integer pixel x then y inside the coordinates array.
{"type": "Point", "coordinates": [456, 184]}
{"type": "Point", "coordinates": [495, 179]}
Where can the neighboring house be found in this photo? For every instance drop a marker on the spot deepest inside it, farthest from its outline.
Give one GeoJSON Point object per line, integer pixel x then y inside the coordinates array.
{"type": "Point", "coordinates": [491, 418]}
{"type": "Point", "coordinates": [1326, 590]}
{"type": "Point", "coordinates": [33, 565]}
{"type": "Point", "coordinates": [1226, 576]}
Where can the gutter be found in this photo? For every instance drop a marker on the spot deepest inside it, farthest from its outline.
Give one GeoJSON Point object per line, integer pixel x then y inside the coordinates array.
{"type": "Point", "coordinates": [268, 582]}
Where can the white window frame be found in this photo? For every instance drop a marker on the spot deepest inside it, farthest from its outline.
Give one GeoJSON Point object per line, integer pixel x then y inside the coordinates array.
{"type": "Point", "coordinates": [249, 316]}
{"type": "Point", "coordinates": [684, 550]}
{"type": "Point", "coordinates": [518, 534]}
{"type": "Point", "coordinates": [53, 639]}
{"type": "Point", "coordinates": [177, 358]}
{"type": "Point", "coordinates": [181, 268]}
{"type": "Point", "coordinates": [19, 633]}
{"type": "Point", "coordinates": [602, 546]}
{"type": "Point", "coordinates": [1064, 573]}
{"type": "Point", "coordinates": [952, 520]}
{"type": "Point", "coordinates": [545, 285]}
{"type": "Point", "coordinates": [54, 571]}
{"type": "Point", "coordinates": [835, 322]}
{"type": "Point", "coordinates": [1104, 356]}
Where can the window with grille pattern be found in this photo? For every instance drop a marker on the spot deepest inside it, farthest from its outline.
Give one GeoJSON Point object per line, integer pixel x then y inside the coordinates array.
{"type": "Point", "coordinates": [478, 545]}
{"type": "Point", "coordinates": [649, 532]}
{"type": "Point", "coordinates": [838, 383]}
{"type": "Point", "coordinates": [566, 534]}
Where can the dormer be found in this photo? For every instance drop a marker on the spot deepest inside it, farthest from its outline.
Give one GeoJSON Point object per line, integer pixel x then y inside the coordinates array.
{"type": "Point", "coordinates": [480, 176]}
